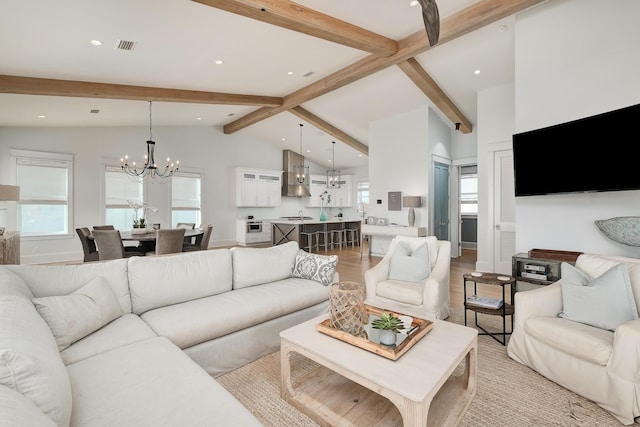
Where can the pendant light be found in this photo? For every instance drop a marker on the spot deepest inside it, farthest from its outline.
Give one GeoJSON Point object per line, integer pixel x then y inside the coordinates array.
{"type": "Point", "coordinates": [301, 170]}
{"type": "Point", "coordinates": [333, 175]}
{"type": "Point", "coordinates": [150, 170]}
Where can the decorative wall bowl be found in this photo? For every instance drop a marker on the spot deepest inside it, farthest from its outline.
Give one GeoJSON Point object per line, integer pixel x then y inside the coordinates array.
{"type": "Point", "coordinates": [622, 229]}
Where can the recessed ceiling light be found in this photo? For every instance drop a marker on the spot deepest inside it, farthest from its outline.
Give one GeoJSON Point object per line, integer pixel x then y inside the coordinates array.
{"type": "Point", "coordinates": [308, 150]}
{"type": "Point", "coordinates": [290, 73]}
{"type": "Point", "coordinates": [502, 28]}
{"type": "Point", "coordinates": [219, 61]}
{"type": "Point", "coordinates": [476, 72]}
{"type": "Point", "coordinates": [413, 3]}
{"type": "Point", "coordinates": [198, 118]}
{"type": "Point", "coordinates": [283, 139]}
{"type": "Point", "coordinates": [360, 155]}
{"type": "Point", "coordinates": [96, 42]}
{"type": "Point", "coordinates": [42, 116]}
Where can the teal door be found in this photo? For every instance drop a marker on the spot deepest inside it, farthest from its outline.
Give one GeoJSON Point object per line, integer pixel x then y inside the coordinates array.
{"type": "Point", "coordinates": [441, 201]}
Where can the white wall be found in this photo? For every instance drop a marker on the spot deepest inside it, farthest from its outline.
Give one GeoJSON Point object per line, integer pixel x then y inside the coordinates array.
{"type": "Point", "coordinates": [575, 58]}
{"type": "Point", "coordinates": [400, 158]}
{"type": "Point", "coordinates": [204, 149]}
{"type": "Point", "coordinates": [399, 161]}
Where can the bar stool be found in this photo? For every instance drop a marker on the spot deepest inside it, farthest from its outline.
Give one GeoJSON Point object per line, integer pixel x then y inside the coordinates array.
{"type": "Point", "coordinates": [309, 235]}
{"type": "Point", "coordinates": [338, 237]}
{"type": "Point", "coordinates": [352, 236]}
{"type": "Point", "coordinates": [324, 234]}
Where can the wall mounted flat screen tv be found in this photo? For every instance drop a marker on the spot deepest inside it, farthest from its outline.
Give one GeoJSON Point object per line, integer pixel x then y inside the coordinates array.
{"type": "Point", "coordinates": [597, 153]}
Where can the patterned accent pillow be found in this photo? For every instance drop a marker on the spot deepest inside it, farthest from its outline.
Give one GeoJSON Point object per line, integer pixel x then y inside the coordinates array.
{"type": "Point", "coordinates": [319, 268]}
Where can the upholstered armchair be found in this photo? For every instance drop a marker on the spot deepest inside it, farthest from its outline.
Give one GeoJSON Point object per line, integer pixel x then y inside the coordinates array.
{"type": "Point", "coordinates": [401, 282]}
{"type": "Point", "coordinates": [601, 363]}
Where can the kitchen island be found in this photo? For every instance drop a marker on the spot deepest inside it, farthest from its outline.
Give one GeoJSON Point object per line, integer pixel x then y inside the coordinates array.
{"type": "Point", "coordinates": [309, 232]}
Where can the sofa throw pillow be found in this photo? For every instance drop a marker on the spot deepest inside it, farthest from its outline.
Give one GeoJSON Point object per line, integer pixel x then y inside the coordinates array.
{"type": "Point", "coordinates": [604, 302]}
{"type": "Point", "coordinates": [319, 268]}
{"type": "Point", "coordinates": [409, 266]}
{"type": "Point", "coordinates": [74, 316]}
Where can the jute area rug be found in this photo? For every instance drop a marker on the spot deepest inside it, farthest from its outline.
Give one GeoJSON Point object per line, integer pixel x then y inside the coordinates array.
{"type": "Point", "coordinates": [509, 394]}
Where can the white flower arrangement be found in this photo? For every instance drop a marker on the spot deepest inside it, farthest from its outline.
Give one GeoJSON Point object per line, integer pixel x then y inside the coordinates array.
{"type": "Point", "coordinates": [140, 221]}
{"type": "Point", "coordinates": [325, 195]}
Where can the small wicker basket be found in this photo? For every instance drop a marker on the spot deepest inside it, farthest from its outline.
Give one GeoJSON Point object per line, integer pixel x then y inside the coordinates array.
{"type": "Point", "coordinates": [346, 300]}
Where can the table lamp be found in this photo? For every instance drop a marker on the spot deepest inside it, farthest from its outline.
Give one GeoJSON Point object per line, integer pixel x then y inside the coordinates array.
{"type": "Point", "coordinates": [8, 193]}
{"type": "Point", "coordinates": [412, 202]}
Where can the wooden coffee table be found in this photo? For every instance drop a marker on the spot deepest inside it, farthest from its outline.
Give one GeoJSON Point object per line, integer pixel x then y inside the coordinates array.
{"type": "Point", "coordinates": [353, 386]}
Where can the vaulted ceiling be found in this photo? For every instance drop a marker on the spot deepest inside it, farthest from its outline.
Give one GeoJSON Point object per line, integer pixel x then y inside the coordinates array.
{"type": "Point", "coordinates": [333, 65]}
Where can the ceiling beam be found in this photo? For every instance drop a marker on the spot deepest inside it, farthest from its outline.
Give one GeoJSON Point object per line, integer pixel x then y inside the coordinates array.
{"type": "Point", "coordinates": [469, 19]}
{"type": "Point", "coordinates": [51, 87]}
{"type": "Point", "coordinates": [295, 17]}
{"type": "Point", "coordinates": [429, 87]}
{"type": "Point", "coordinates": [330, 129]}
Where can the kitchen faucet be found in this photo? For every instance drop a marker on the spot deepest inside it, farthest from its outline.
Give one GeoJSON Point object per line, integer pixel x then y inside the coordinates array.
{"type": "Point", "coordinates": [301, 215]}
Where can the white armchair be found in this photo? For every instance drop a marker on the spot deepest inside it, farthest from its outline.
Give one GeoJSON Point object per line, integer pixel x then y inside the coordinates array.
{"type": "Point", "coordinates": [601, 365]}
{"type": "Point", "coordinates": [426, 300]}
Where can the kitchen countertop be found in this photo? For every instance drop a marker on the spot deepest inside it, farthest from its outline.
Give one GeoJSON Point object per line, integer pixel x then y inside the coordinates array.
{"type": "Point", "coordinates": [312, 221]}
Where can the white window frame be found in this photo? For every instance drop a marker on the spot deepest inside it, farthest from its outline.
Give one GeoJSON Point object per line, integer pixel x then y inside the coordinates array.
{"type": "Point", "coordinates": [112, 167]}
{"type": "Point", "coordinates": [468, 198]}
{"type": "Point", "coordinates": [43, 156]}
{"type": "Point", "coordinates": [361, 187]}
{"type": "Point", "coordinates": [187, 174]}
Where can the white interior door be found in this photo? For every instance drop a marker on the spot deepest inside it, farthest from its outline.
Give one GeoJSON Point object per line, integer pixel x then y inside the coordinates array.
{"type": "Point", "coordinates": [504, 239]}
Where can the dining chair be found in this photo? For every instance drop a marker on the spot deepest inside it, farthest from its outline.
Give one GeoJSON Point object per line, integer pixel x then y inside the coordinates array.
{"type": "Point", "coordinates": [127, 248]}
{"type": "Point", "coordinates": [110, 245]}
{"type": "Point", "coordinates": [202, 240]}
{"type": "Point", "coordinates": [104, 227]}
{"type": "Point", "coordinates": [189, 225]}
{"type": "Point", "coordinates": [88, 245]}
{"type": "Point", "coordinates": [168, 241]}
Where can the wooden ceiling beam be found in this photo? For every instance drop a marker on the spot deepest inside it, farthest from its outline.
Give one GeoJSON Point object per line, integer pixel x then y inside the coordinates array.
{"type": "Point", "coordinates": [295, 17]}
{"type": "Point", "coordinates": [51, 87]}
{"type": "Point", "coordinates": [330, 129]}
{"type": "Point", "coordinates": [429, 87]}
{"type": "Point", "coordinates": [469, 19]}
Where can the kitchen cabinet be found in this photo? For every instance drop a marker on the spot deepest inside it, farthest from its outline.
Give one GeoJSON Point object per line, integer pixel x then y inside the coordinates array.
{"type": "Point", "coordinates": [340, 197]}
{"type": "Point", "coordinates": [258, 187]}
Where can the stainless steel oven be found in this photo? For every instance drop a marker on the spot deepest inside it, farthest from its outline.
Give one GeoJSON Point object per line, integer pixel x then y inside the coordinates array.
{"type": "Point", "coordinates": [254, 226]}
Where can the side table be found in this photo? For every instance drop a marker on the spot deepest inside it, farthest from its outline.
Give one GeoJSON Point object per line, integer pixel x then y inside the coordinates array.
{"type": "Point", "coordinates": [507, 309]}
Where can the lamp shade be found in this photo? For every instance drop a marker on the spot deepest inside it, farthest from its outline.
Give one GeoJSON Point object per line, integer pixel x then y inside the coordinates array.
{"type": "Point", "coordinates": [412, 201]}
{"type": "Point", "coordinates": [9, 193]}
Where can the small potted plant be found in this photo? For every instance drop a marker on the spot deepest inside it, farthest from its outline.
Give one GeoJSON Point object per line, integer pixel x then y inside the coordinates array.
{"type": "Point", "coordinates": [389, 326]}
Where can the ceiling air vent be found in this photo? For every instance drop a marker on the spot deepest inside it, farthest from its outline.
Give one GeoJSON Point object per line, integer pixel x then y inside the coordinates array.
{"type": "Point", "coordinates": [92, 111]}
{"type": "Point", "coordinates": [125, 45]}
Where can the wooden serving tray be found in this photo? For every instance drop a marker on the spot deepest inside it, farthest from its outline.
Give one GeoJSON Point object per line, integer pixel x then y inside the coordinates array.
{"type": "Point", "coordinates": [419, 328]}
{"type": "Point", "coordinates": [550, 254]}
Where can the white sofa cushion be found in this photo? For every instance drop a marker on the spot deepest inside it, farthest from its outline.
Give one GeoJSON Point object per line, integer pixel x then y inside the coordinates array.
{"type": "Point", "coordinates": [17, 410]}
{"type": "Point", "coordinates": [172, 279]}
{"type": "Point", "coordinates": [401, 291]}
{"type": "Point", "coordinates": [603, 302]}
{"type": "Point", "coordinates": [50, 280]}
{"type": "Point", "coordinates": [73, 317]}
{"type": "Point", "coordinates": [150, 383]}
{"type": "Point", "coordinates": [12, 284]}
{"type": "Point", "coordinates": [577, 339]}
{"type": "Point", "coordinates": [409, 265]}
{"type": "Point", "coordinates": [197, 321]}
{"type": "Point", "coordinates": [414, 242]}
{"type": "Point", "coordinates": [255, 266]}
{"type": "Point", "coordinates": [596, 265]}
{"type": "Point", "coordinates": [319, 268]}
{"type": "Point", "coordinates": [125, 330]}
{"type": "Point", "coordinates": [29, 359]}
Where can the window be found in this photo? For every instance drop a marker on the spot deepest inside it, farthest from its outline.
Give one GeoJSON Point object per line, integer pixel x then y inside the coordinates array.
{"type": "Point", "coordinates": [46, 192]}
{"type": "Point", "coordinates": [362, 193]}
{"type": "Point", "coordinates": [468, 190]}
{"type": "Point", "coordinates": [185, 198]}
{"type": "Point", "coordinates": [119, 189]}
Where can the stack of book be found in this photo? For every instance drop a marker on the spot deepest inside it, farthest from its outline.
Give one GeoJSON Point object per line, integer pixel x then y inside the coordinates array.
{"type": "Point", "coordinates": [484, 302]}
{"type": "Point", "coordinates": [534, 271]}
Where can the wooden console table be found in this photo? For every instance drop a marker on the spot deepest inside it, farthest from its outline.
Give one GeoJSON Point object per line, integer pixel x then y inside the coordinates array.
{"type": "Point", "coordinates": [10, 247]}
{"type": "Point", "coordinates": [389, 230]}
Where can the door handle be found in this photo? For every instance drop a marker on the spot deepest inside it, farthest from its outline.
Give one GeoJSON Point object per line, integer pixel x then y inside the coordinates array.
{"type": "Point", "coordinates": [497, 226]}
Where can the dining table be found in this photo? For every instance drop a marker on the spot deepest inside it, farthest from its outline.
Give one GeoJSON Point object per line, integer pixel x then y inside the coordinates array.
{"type": "Point", "coordinates": [148, 239]}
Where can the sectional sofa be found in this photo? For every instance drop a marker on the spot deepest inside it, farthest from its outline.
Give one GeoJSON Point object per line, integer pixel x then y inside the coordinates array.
{"type": "Point", "coordinates": [138, 341]}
